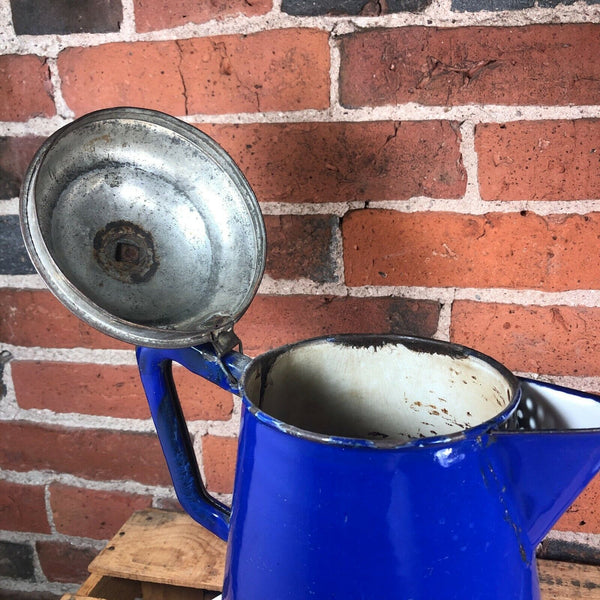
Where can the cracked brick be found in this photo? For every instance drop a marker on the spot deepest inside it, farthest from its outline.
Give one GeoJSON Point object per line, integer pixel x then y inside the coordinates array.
{"type": "Point", "coordinates": [436, 249]}
{"type": "Point", "coordinates": [343, 162]}
{"type": "Point", "coordinates": [25, 88]}
{"type": "Point", "coordinates": [465, 65]}
{"type": "Point", "coordinates": [121, 74]}
{"type": "Point", "coordinates": [266, 71]}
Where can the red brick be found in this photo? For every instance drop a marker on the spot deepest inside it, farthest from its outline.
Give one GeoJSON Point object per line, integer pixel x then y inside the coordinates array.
{"type": "Point", "coordinates": [343, 162]}
{"type": "Point", "coordinates": [23, 508]}
{"type": "Point", "coordinates": [25, 88]}
{"type": "Point", "coordinates": [163, 14]}
{"type": "Point", "coordinates": [91, 453]}
{"type": "Point", "coordinates": [171, 504]}
{"type": "Point", "coordinates": [273, 321]}
{"type": "Point", "coordinates": [513, 250]}
{"type": "Point", "coordinates": [539, 160]}
{"type": "Point", "coordinates": [110, 390]}
{"type": "Point", "coordinates": [200, 399]}
{"type": "Point", "coordinates": [123, 74]}
{"type": "Point", "coordinates": [271, 70]}
{"type": "Point", "coordinates": [36, 318]}
{"type": "Point", "coordinates": [15, 155]}
{"type": "Point", "coordinates": [219, 454]}
{"type": "Point", "coordinates": [94, 514]}
{"type": "Point", "coordinates": [584, 514]}
{"type": "Point", "coordinates": [549, 340]}
{"type": "Point", "coordinates": [538, 64]}
{"type": "Point", "coordinates": [285, 69]}
{"type": "Point", "coordinates": [64, 562]}
{"type": "Point", "coordinates": [301, 246]}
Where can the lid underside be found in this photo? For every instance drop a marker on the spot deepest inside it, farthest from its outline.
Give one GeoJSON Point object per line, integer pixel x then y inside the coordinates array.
{"type": "Point", "coordinates": [144, 227]}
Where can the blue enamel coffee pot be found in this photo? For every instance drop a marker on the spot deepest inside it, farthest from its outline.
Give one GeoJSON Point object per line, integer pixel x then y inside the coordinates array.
{"type": "Point", "coordinates": [381, 467]}
{"type": "Point", "coordinates": [369, 467]}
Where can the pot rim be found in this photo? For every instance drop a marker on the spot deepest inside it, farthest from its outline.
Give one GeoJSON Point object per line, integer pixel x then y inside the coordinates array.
{"type": "Point", "coordinates": [412, 342]}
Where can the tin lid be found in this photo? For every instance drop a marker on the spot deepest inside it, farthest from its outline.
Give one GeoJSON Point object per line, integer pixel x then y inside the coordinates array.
{"type": "Point", "coordinates": [143, 227]}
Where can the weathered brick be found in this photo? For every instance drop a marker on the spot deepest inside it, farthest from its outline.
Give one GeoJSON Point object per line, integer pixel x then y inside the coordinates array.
{"type": "Point", "coordinates": [285, 69]}
{"type": "Point", "coordinates": [273, 321]}
{"type": "Point", "coordinates": [270, 70]}
{"type": "Point", "coordinates": [25, 88]}
{"type": "Point", "coordinates": [555, 3]}
{"type": "Point", "coordinates": [16, 560]}
{"type": "Point", "coordinates": [537, 64]}
{"type": "Point", "coordinates": [505, 250]}
{"type": "Point", "coordinates": [584, 514]}
{"type": "Point", "coordinates": [165, 14]}
{"type": "Point", "coordinates": [343, 162]}
{"type": "Point", "coordinates": [219, 454]}
{"type": "Point", "coordinates": [94, 514]}
{"type": "Point", "coordinates": [363, 8]}
{"type": "Point", "coordinates": [91, 453]}
{"type": "Point", "coordinates": [23, 508]}
{"type": "Point", "coordinates": [13, 256]}
{"type": "Point", "coordinates": [15, 155]}
{"type": "Point", "coordinates": [110, 390]}
{"type": "Point", "coordinates": [36, 318]}
{"type": "Point", "coordinates": [496, 5]}
{"type": "Point", "coordinates": [11, 594]}
{"type": "Point", "coordinates": [549, 340]}
{"type": "Point", "coordinates": [493, 5]}
{"type": "Point", "coordinates": [301, 246]}
{"type": "Point", "coordinates": [63, 562]}
{"type": "Point", "coordinates": [121, 74]}
{"type": "Point", "coordinates": [43, 17]}
{"type": "Point", "coordinates": [539, 160]}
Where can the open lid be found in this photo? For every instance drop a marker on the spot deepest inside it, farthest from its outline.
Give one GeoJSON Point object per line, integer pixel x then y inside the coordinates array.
{"type": "Point", "coordinates": [143, 227]}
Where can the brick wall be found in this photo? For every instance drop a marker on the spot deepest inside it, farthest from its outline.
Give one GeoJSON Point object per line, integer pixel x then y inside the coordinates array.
{"type": "Point", "coordinates": [425, 166]}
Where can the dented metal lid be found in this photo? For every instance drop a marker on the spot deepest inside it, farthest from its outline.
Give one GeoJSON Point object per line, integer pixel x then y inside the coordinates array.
{"type": "Point", "coordinates": [143, 227]}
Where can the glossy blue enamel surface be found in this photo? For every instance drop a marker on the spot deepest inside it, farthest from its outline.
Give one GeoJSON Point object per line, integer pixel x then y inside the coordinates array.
{"type": "Point", "coordinates": [157, 379]}
{"type": "Point", "coordinates": [314, 520]}
{"type": "Point", "coordinates": [441, 518]}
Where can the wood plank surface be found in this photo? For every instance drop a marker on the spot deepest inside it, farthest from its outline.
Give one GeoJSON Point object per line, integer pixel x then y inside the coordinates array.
{"type": "Point", "coordinates": [158, 591]}
{"type": "Point", "coordinates": [164, 547]}
{"type": "Point", "coordinates": [107, 588]}
{"type": "Point", "coordinates": [568, 581]}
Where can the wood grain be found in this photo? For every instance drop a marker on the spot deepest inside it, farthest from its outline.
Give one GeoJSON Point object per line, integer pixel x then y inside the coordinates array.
{"type": "Point", "coordinates": [164, 547]}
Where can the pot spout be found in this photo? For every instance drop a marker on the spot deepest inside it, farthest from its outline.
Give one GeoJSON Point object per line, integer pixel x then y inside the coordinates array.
{"type": "Point", "coordinates": [549, 457]}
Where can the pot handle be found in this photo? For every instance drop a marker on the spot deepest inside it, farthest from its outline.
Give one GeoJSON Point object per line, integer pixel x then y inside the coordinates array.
{"type": "Point", "coordinates": [155, 365]}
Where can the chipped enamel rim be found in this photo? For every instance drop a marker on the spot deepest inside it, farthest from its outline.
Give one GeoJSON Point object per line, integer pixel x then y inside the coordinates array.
{"type": "Point", "coordinates": [429, 346]}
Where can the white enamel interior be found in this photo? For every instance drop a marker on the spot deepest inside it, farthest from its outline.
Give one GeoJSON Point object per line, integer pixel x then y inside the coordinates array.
{"type": "Point", "coordinates": [384, 392]}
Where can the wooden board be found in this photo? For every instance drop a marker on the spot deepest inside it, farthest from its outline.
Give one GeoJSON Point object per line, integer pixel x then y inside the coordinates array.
{"type": "Point", "coordinates": [107, 588]}
{"type": "Point", "coordinates": [568, 581]}
{"type": "Point", "coordinates": [164, 547]}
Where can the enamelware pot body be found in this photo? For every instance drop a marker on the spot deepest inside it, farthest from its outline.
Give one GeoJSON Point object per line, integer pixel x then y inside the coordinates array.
{"type": "Point", "coordinates": [381, 466]}
{"type": "Point", "coordinates": [317, 520]}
